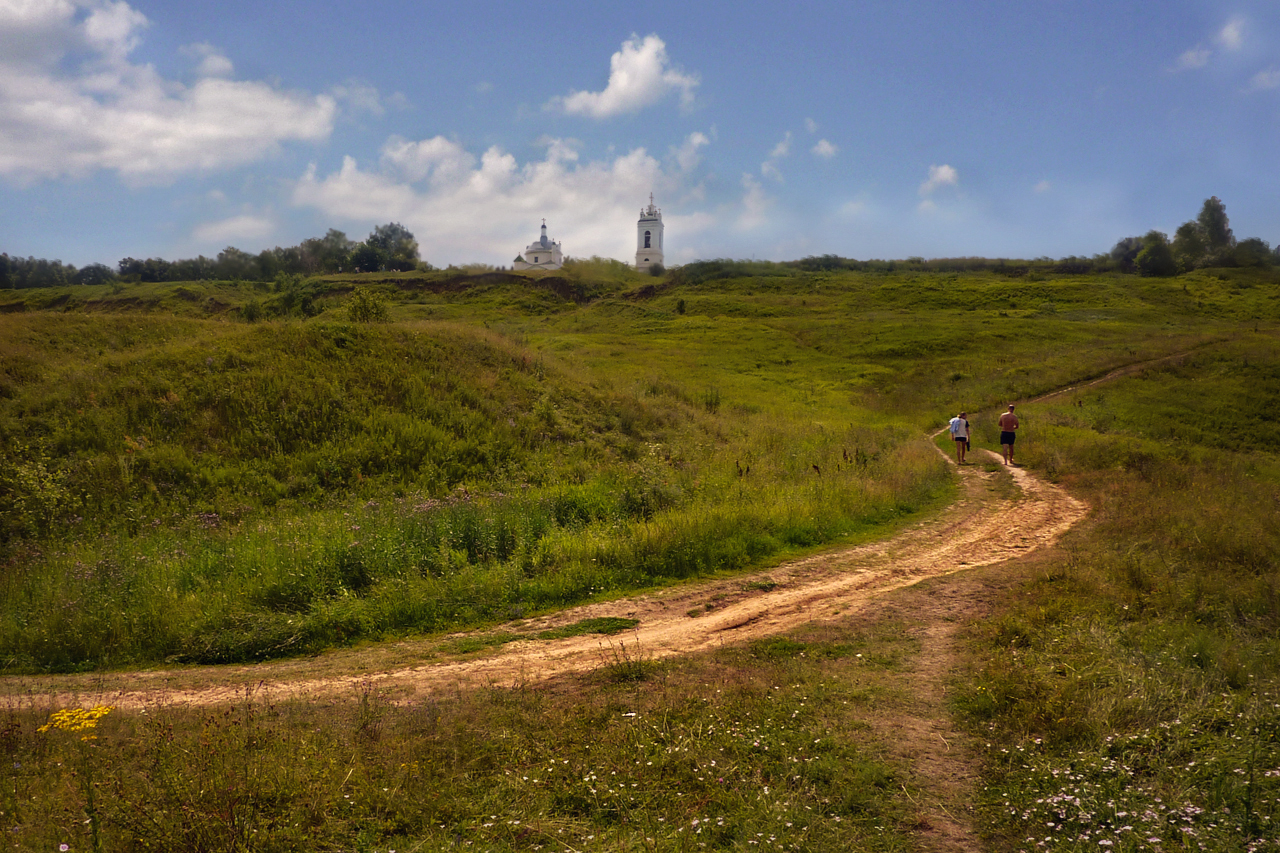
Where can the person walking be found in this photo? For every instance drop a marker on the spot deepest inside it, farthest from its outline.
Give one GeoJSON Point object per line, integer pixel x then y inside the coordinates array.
{"type": "Point", "coordinates": [959, 427]}
{"type": "Point", "coordinates": [1008, 433]}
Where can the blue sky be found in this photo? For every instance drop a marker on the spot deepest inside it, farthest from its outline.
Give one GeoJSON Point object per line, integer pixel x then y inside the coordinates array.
{"type": "Point", "coordinates": [775, 130]}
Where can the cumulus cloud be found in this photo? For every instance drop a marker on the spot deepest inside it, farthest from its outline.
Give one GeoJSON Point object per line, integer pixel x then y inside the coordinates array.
{"type": "Point", "coordinates": [246, 227]}
{"type": "Point", "coordinates": [825, 149]}
{"type": "Point", "coordinates": [464, 207]}
{"type": "Point", "coordinates": [640, 75]}
{"type": "Point", "coordinates": [939, 176]}
{"type": "Point", "coordinates": [72, 103]}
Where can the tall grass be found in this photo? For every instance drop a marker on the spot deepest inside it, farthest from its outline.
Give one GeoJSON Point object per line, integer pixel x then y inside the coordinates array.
{"type": "Point", "coordinates": [218, 592]}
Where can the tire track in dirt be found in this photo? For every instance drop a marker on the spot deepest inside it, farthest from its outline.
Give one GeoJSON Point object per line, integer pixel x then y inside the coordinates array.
{"type": "Point", "coordinates": [980, 529]}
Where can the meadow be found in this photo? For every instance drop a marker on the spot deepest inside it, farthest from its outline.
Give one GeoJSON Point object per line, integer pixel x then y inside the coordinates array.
{"type": "Point", "coordinates": [228, 472]}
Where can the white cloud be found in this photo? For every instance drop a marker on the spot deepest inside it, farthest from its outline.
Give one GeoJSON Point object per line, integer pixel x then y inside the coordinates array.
{"type": "Point", "coordinates": [811, 125]}
{"type": "Point", "coordinates": [939, 176]}
{"type": "Point", "coordinates": [855, 208]}
{"type": "Point", "coordinates": [640, 75]}
{"type": "Point", "coordinates": [825, 149]}
{"type": "Point", "coordinates": [1197, 57]}
{"type": "Point", "coordinates": [1042, 187]}
{"type": "Point", "coordinates": [359, 97]}
{"type": "Point", "coordinates": [462, 208]}
{"type": "Point", "coordinates": [1231, 36]}
{"type": "Point", "coordinates": [687, 156]}
{"type": "Point", "coordinates": [1269, 79]}
{"type": "Point", "coordinates": [246, 227]}
{"type": "Point", "coordinates": [62, 117]}
{"type": "Point", "coordinates": [210, 61]}
{"type": "Point", "coordinates": [782, 149]}
{"type": "Point", "coordinates": [769, 170]}
{"type": "Point", "coordinates": [754, 206]}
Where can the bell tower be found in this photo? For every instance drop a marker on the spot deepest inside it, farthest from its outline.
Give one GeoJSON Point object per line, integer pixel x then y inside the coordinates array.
{"type": "Point", "coordinates": [649, 237]}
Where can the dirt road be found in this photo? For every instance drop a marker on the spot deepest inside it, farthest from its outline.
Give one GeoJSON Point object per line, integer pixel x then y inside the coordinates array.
{"type": "Point", "coordinates": [992, 521]}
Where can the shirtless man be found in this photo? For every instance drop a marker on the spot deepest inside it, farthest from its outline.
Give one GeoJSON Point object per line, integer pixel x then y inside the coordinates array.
{"type": "Point", "coordinates": [959, 427]}
{"type": "Point", "coordinates": [1008, 428]}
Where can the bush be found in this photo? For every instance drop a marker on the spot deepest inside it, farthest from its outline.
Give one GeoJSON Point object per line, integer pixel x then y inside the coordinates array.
{"type": "Point", "coordinates": [366, 307]}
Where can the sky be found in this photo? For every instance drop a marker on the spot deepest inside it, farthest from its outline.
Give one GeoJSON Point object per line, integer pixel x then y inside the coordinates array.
{"type": "Point", "coordinates": [1008, 128]}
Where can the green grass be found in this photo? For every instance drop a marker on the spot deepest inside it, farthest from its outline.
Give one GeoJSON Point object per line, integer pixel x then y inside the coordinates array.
{"type": "Point", "coordinates": [180, 484]}
{"type": "Point", "coordinates": [1132, 696]}
{"type": "Point", "coordinates": [749, 748]}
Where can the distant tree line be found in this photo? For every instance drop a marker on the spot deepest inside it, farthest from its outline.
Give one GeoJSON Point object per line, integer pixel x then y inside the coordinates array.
{"type": "Point", "coordinates": [388, 247]}
{"type": "Point", "coordinates": [1206, 241]}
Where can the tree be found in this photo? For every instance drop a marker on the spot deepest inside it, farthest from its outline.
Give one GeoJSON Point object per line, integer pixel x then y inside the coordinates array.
{"type": "Point", "coordinates": [1217, 228]}
{"type": "Point", "coordinates": [1125, 251]}
{"type": "Point", "coordinates": [1190, 245]}
{"type": "Point", "coordinates": [1253, 252]}
{"type": "Point", "coordinates": [1156, 258]}
{"type": "Point", "coordinates": [397, 244]}
{"type": "Point", "coordinates": [95, 274]}
{"type": "Point", "coordinates": [235, 265]}
{"type": "Point", "coordinates": [368, 257]}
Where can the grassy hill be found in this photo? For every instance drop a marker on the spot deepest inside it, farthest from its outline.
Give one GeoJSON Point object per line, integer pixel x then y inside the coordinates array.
{"type": "Point", "coordinates": [209, 472]}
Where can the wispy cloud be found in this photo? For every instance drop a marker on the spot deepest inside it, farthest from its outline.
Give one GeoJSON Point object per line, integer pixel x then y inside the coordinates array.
{"type": "Point", "coordinates": [1042, 187]}
{"type": "Point", "coordinates": [1269, 79]}
{"type": "Point", "coordinates": [640, 75]}
{"type": "Point", "coordinates": [1196, 57]}
{"type": "Point", "coordinates": [1231, 36]}
{"type": "Point", "coordinates": [783, 148]}
{"type": "Point", "coordinates": [825, 149]}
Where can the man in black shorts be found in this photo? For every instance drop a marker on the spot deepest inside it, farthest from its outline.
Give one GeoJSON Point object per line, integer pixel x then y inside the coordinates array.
{"type": "Point", "coordinates": [1008, 429]}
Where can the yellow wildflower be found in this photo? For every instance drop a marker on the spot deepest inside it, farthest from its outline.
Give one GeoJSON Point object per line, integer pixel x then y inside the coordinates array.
{"type": "Point", "coordinates": [76, 719]}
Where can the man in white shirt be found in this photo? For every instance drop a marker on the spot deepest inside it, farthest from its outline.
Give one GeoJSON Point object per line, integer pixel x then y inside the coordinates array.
{"type": "Point", "coordinates": [959, 427]}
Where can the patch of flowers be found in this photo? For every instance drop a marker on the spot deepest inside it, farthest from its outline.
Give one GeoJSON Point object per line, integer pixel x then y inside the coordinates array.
{"type": "Point", "coordinates": [1179, 787]}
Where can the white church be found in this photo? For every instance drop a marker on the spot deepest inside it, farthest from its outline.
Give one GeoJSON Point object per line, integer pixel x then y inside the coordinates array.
{"type": "Point", "coordinates": [545, 254]}
{"type": "Point", "coordinates": [542, 254]}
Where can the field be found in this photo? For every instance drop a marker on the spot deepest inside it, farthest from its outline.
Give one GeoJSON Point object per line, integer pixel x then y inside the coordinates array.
{"type": "Point", "coordinates": [232, 473]}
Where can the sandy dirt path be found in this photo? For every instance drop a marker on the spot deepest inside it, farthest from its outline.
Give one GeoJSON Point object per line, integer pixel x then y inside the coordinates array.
{"type": "Point", "coordinates": [991, 522]}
